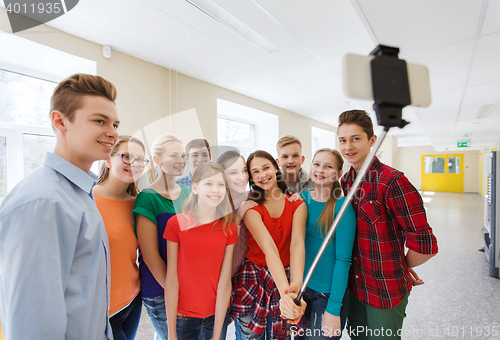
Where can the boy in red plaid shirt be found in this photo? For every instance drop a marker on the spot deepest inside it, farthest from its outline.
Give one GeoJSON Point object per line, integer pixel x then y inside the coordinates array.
{"type": "Point", "coordinates": [390, 216]}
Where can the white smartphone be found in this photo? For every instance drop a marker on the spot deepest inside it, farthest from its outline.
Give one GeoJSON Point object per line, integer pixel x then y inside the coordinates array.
{"type": "Point", "coordinates": [358, 80]}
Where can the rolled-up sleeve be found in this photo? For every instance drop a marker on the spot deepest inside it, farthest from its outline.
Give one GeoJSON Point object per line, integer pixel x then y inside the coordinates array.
{"type": "Point", "coordinates": [406, 206]}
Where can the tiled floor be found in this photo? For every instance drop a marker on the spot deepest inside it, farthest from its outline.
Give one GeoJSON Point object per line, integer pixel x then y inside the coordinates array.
{"type": "Point", "coordinates": [459, 300]}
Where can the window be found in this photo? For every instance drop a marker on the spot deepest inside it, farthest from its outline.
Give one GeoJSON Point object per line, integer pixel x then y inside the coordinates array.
{"type": "Point", "coordinates": [245, 128]}
{"type": "Point", "coordinates": [25, 133]}
{"type": "Point", "coordinates": [434, 165]}
{"type": "Point", "coordinates": [322, 138]}
{"type": "Point", "coordinates": [238, 134]}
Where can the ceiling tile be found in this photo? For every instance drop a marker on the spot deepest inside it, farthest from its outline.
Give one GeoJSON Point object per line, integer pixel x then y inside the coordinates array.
{"type": "Point", "coordinates": [155, 57]}
{"type": "Point", "coordinates": [447, 65]}
{"type": "Point", "coordinates": [437, 117]}
{"type": "Point", "coordinates": [486, 67]}
{"type": "Point", "coordinates": [309, 19]}
{"type": "Point", "coordinates": [298, 65]}
{"type": "Point", "coordinates": [416, 26]}
{"type": "Point", "coordinates": [333, 45]}
{"type": "Point", "coordinates": [256, 17]}
{"type": "Point", "coordinates": [485, 94]}
{"type": "Point", "coordinates": [468, 113]}
{"type": "Point", "coordinates": [208, 27]}
{"type": "Point", "coordinates": [491, 24]}
{"type": "Point", "coordinates": [83, 30]}
{"type": "Point", "coordinates": [257, 78]}
{"type": "Point", "coordinates": [443, 100]}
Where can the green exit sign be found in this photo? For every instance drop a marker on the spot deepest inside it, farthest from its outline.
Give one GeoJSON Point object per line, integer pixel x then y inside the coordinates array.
{"type": "Point", "coordinates": [463, 144]}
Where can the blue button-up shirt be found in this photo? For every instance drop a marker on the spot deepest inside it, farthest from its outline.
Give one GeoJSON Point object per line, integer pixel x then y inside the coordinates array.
{"type": "Point", "coordinates": [185, 180]}
{"type": "Point", "coordinates": [54, 262]}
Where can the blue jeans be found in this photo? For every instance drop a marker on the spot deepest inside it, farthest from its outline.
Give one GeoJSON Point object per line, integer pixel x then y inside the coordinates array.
{"type": "Point", "coordinates": [189, 328]}
{"type": "Point", "coordinates": [316, 306]}
{"type": "Point", "coordinates": [246, 333]}
{"type": "Point", "coordinates": [126, 322]}
{"type": "Point", "coordinates": [158, 316]}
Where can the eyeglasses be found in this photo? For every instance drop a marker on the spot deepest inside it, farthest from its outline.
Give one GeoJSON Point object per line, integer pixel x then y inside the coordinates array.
{"type": "Point", "coordinates": [129, 159]}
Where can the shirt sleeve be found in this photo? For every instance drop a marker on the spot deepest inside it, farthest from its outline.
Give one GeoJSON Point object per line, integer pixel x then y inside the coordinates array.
{"type": "Point", "coordinates": [144, 206]}
{"type": "Point", "coordinates": [38, 244]}
{"type": "Point", "coordinates": [233, 236]}
{"type": "Point", "coordinates": [172, 230]}
{"type": "Point", "coordinates": [405, 205]}
{"type": "Point", "coordinates": [344, 241]}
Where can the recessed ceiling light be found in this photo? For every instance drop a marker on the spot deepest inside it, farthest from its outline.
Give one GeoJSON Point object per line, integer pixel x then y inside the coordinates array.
{"type": "Point", "coordinates": [225, 18]}
{"type": "Point", "coordinates": [485, 110]}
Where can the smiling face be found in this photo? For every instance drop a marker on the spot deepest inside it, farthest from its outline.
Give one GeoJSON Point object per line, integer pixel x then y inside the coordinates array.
{"type": "Point", "coordinates": [172, 160]}
{"type": "Point", "coordinates": [263, 173]}
{"type": "Point", "coordinates": [354, 144]}
{"type": "Point", "coordinates": [92, 133]}
{"type": "Point", "coordinates": [210, 191]}
{"type": "Point", "coordinates": [237, 175]}
{"type": "Point", "coordinates": [196, 157]}
{"type": "Point", "coordinates": [325, 169]}
{"type": "Point", "coordinates": [290, 159]}
{"type": "Point", "coordinates": [126, 173]}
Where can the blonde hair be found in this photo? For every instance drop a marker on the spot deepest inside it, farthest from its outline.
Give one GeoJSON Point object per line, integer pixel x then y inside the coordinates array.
{"type": "Point", "coordinates": [104, 170]}
{"type": "Point", "coordinates": [287, 140]}
{"type": "Point", "coordinates": [224, 209]}
{"type": "Point", "coordinates": [158, 148]}
{"type": "Point", "coordinates": [327, 216]}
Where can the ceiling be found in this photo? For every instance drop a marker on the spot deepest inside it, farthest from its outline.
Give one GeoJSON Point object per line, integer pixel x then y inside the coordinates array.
{"type": "Point", "coordinates": [458, 40]}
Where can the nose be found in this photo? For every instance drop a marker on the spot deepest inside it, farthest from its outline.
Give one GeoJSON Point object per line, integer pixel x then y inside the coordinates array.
{"type": "Point", "coordinates": [112, 133]}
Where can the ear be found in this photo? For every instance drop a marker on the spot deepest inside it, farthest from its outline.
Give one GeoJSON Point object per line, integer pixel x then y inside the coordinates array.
{"type": "Point", "coordinates": [278, 161]}
{"type": "Point", "coordinates": [303, 159]}
{"type": "Point", "coordinates": [340, 173]}
{"type": "Point", "coordinates": [59, 121]}
{"type": "Point", "coordinates": [108, 163]}
{"type": "Point", "coordinates": [194, 189]}
{"type": "Point", "coordinates": [156, 160]}
{"type": "Point", "coordinates": [373, 140]}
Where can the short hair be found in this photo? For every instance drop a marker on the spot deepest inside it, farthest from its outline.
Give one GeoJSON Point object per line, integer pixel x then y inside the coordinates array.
{"type": "Point", "coordinates": [358, 117]}
{"type": "Point", "coordinates": [68, 95]}
{"type": "Point", "coordinates": [199, 143]}
{"type": "Point", "coordinates": [287, 140]}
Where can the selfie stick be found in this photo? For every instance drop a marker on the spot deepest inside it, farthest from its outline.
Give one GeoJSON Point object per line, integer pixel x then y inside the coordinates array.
{"type": "Point", "coordinates": [391, 93]}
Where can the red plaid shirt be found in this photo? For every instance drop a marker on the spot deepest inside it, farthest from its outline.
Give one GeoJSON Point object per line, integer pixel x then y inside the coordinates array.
{"type": "Point", "coordinates": [390, 215]}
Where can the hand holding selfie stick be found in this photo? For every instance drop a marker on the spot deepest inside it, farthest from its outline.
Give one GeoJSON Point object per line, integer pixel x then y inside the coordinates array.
{"type": "Point", "coordinates": [391, 93]}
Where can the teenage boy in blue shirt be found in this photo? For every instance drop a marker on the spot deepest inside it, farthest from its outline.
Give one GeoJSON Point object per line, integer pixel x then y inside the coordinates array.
{"type": "Point", "coordinates": [197, 152]}
{"type": "Point", "coordinates": [54, 253]}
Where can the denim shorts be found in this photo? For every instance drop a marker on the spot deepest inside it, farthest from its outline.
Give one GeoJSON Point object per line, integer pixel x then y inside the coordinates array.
{"type": "Point", "coordinates": [158, 315]}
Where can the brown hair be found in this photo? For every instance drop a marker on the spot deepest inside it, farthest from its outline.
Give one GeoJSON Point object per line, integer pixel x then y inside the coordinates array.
{"type": "Point", "coordinates": [224, 209]}
{"type": "Point", "coordinates": [258, 194]}
{"type": "Point", "coordinates": [68, 95]}
{"type": "Point", "coordinates": [358, 117]}
{"type": "Point", "coordinates": [287, 140]}
{"type": "Point", "coordinates": [227, 156]}
{"type": "Point", "coordinates": [326, 217]}
{"type": "Point", "coordinates": [199, 143]}
{"type": "Point", "coordinates": [104, 170]}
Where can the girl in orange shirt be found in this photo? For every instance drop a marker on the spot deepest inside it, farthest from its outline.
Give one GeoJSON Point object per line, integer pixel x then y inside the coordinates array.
{"type": "Point", "coordinates": [115, 196]}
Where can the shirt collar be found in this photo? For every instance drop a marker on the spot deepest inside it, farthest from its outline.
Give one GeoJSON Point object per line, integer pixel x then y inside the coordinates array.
{"type": "Point", "coordinates": [74, 174]}
{"type": "Point", "coordinates": [369, 173]}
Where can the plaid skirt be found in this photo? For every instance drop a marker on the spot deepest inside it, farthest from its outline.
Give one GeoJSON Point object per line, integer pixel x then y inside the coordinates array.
{"type": "Point", "coordinates": [254, 288]}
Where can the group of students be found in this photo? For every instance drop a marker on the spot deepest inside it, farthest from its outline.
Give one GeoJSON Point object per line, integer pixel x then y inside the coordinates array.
{"type": "Point", "coordinates": [210, 252]}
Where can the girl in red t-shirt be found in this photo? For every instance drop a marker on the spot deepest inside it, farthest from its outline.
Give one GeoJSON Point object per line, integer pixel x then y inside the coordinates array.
{"type": "Point", "coordinates": [200, 244]}
{"type": "Point", "coordinates": [275, 254]}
